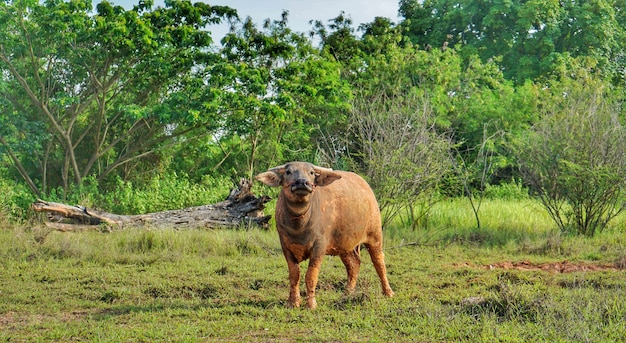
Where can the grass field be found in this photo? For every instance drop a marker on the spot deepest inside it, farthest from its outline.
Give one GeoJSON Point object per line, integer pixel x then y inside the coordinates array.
{"type": "Point", "coordinates": [231, 285]}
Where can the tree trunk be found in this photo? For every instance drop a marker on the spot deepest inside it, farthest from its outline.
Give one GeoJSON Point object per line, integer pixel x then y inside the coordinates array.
{"type": "Point", "coordinates": [241, 208]}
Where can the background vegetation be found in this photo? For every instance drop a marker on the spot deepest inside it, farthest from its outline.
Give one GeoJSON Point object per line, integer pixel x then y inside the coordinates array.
{"type": "Point", "coordinates": [457, 96]}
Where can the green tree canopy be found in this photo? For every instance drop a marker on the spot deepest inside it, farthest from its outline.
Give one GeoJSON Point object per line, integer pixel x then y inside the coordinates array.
{"type": "Point", "coordinates": [276, 89]}
{"type": "Point", "coordinates": [85, 94]}
{"type": "Point", "coordinates": [527, 35]}
{"type": "Point", "coordinates": [468, 98]}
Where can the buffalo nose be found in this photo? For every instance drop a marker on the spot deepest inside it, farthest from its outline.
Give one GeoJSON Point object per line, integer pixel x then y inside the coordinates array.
{"type": "Point", "coordinates": [301, 185]}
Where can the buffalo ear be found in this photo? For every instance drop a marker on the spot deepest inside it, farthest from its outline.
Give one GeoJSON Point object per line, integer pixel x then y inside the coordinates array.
{"type": "Point", "coordinates": [326, 177]}
{"type": "Point", "coordinates": [270, 178]}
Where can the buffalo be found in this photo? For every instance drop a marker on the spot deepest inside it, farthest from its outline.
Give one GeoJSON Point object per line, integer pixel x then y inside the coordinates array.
{"type": "Point", "coordinates": [321, 212]}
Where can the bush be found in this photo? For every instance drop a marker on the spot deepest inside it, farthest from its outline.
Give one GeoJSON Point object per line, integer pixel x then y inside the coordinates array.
{"type": "Point", "coordinates": [165, 193]}
{"type": "Point", "coordinates": [574, 158]}
{"type": "Point", "coordinates": [86, 194]}
{"type": "Point", "coordinates": [157, 194]}
{"type": "Point", "coordinates": [15, 200]}
{"type": "Point", "coordinates": [404, 155]}
{"type": "Point", "coordinates": [160, 193]}
{"type": "Point", "coordinates": [513, 190]}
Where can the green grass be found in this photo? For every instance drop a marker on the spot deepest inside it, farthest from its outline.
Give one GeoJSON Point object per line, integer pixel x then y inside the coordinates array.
{"type": "Point", "coordinates": [502, 221]}
{"type": "Point", "coordinates": [231, 285]}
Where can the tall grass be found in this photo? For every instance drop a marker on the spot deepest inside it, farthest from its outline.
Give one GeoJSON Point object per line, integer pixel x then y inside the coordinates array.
{"type": "Point", "coordinates": [513, 225]}
{"type": "Point", "coordinates": [521, 226]}
{"type": "Point", "coordinates": [131, 246]}
{"type": "Point", "coordinates": [502, 221]}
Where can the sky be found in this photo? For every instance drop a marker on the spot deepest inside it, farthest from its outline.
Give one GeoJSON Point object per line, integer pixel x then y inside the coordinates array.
{"type": "Point", "coordinates": [300, 11]}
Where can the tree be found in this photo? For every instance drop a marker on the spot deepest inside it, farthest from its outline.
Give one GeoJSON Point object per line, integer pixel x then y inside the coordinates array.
{"type": "Point", "coordinates": [94, 93]}
{"type": "Point", "coordinates": [338, 38]}
{"type": "Point", "coordinates": [574, 158]}
{"type": "Point", "coordinates": [475, 176]}
{"type": "Point", "coordinates": [277, 90]}
{"type": "Point", "coordinates": [486, 105]}
{"type": "Point", "coordinates": [527, 35]}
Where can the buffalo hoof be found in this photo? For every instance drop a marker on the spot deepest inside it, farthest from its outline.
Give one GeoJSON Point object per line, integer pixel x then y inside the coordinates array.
{"type": "Point", "coordinates": [311, 303]}
{"type": "Point", "coordinates": [292, 304]}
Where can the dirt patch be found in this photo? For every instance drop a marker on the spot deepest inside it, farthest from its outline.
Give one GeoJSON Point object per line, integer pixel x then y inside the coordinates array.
{"type": "Point", "coordinates": [553, 267]}
{"type": "Point", "coordinates": [17, 321]}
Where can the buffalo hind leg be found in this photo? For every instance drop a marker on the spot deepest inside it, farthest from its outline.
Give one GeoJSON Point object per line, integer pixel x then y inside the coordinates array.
{"type": "Point", "coordinates": [378, 259]}
{"type": "Point", "coordinates": [352, 261]}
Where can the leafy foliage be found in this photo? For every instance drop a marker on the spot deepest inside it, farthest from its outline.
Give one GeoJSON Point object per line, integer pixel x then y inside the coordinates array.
{"type": "Point", "coordinates": [15, 200]}
{"type": "Point", "coordinates": [528, 35]}
{"type": "Point", "coordinates": [160, 193]}
{"type": "Point", "coordinates": [120, 100]}
{"type": "Point", "coordinates": [276, 89]}
{"type": "Point", "coordinates": [99, 92]}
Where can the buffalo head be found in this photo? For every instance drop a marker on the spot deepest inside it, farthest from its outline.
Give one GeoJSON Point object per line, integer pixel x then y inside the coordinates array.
{"type": "Point", "coordinates": [298, 179]}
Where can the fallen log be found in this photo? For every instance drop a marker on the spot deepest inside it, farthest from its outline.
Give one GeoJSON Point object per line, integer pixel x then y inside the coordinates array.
{"type": "Point", "coordinates": [241, 208]}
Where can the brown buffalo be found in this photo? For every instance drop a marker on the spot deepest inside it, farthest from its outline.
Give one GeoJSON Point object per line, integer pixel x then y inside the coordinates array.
{"type": "Point", "coordinates": [324, 212]}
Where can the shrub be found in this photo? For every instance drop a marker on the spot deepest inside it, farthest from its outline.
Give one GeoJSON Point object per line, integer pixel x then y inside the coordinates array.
{"type": "Point", "coordinates": [87, 193]}
{"type": "Point", "coordinates": [513, 190]}
{"type": "Point", "coordinates": [404, 156]}
{"type": "Point", "coordinates": [165, 193]}
{"type": "Point", "coordinates": [15, 200]}
{"type": "Point", "coordinates": [574, 158]}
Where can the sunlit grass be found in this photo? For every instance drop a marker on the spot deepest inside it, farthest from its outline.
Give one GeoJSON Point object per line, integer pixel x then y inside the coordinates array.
{"type": "Point", "coordinates": [501, 222]}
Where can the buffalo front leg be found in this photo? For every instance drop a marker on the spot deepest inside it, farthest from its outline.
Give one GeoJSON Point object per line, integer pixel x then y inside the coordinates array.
{"type": "Point", "coordinates": [378, 259]}
{"type": "Point", "coordinates": [352, 261]}
{"type": "Point", "coordinates": [312, 274]}
{"type": "Point", "coordinates": [294, 280]}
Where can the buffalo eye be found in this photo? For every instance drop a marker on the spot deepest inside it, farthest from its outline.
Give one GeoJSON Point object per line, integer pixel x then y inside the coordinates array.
{"type": "Point", "coordinates": [288, 172]}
